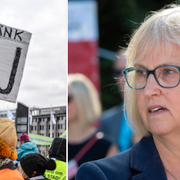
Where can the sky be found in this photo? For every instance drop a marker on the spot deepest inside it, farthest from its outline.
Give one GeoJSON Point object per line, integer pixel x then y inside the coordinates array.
{"type": "Point", "coordinates": [44, 81]}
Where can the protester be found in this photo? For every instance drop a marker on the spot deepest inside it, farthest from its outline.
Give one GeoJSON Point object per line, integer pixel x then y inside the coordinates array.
{"type": "Point", "coordinates": [34, 165]}
{"type": "Point", "coordinates": [152, 101]}
{"type": "Point", "coordinates": [113, 122]}
{"type": "Point", "coordinates": [84, 110]}
{"type": "Point", "coordinates": [58, 153]}
{"type": "Point", "coordinates": [26, 146]}
{"type": "Point", "coordinates": [8, 141]}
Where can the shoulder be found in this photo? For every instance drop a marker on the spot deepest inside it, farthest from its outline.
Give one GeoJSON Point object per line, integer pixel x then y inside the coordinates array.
{"type": "Point", "coordinates": [7, 174]}
{"type": "Point", "coordinates": [141, 158]}
{"type": "Point", "coordinates": [108, 168]}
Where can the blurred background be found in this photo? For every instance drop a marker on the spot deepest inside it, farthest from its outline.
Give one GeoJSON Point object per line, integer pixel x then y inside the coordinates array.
{"type": "Point", "coordinates": [96, 31]}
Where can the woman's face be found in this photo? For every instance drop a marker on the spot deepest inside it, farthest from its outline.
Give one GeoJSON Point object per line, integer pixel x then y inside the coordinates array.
{"type": "Point", "coordinates": [72, 108]}
{"type": "Point", "coordinates": [160, 107]}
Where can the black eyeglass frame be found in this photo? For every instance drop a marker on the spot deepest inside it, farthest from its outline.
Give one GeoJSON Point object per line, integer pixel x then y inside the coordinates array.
{"type": "Point", "coordinates": [148, 73]}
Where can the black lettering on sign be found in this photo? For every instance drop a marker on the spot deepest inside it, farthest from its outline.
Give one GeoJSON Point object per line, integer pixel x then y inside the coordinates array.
{"type": "Point", "coordinates": [9, 87]}
{"type": "Point", "coordinates": [10, 33]}
{"type": "Point", "coordinates": [7, 32]}
{"type": "Point", "coordinates": [18, 34]}
{"type": "Point", "coordinates": [1, 30]}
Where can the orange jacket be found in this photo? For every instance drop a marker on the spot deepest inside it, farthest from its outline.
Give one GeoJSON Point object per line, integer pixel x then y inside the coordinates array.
{"type": "Point", "coordinates": [8, 174]}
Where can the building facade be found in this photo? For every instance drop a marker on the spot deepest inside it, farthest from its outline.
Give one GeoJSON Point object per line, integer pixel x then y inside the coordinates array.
{"type": "Point", "coordinates": [41, 122]}
{"type": "Point", "coordinates": [43, 125]}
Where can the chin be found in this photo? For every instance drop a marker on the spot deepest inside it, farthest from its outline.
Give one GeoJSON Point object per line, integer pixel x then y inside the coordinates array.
{"type": "Point", "coordinates": [161, 131]}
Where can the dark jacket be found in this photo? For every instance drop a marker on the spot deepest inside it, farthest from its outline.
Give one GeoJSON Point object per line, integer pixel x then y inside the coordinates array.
{"type": "Point", "coordinates": [141, 162]}
{"type": "Point", "coordinates": [58, 149]}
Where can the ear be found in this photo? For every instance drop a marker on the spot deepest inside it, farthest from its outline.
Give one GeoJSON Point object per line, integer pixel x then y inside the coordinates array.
{"type": "Point", "coordinates": [34, 173]}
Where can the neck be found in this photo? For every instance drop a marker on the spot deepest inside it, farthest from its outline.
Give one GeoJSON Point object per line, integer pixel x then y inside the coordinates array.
{"type": "Point", "coordinates": [169, 151]}
{"type": "Point", "coordinates": [78, 133]}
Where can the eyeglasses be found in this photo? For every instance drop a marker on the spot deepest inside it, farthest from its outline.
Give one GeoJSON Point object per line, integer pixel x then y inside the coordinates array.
{"type": "Point", "coordinates": [70, 97]}
{"type": "Point", "coordinates": [166, 76]}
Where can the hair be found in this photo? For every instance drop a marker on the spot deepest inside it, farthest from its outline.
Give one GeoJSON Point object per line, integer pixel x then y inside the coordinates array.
{"type": "Point", "coordinates": [35, 162]}
{"type": "Point", "coordinates": [86, 98]}
{"type": "Point", "coordinates": [156, 35]}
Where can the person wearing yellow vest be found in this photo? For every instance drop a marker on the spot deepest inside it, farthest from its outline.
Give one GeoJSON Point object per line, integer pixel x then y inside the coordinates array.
{"type": "Point", "coordinates": [58, 153]}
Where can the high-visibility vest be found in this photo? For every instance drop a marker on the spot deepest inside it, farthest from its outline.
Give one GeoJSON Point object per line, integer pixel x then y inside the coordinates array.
{"type": "Point", "coordinates": [59, 173]}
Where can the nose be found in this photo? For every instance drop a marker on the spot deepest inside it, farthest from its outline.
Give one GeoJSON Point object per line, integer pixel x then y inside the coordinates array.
{"type": "Point", "coordinates": [152, 88]}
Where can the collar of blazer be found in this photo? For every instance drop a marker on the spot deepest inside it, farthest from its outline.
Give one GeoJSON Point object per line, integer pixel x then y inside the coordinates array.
{"type": "Point", "coordinates": [145, 159]}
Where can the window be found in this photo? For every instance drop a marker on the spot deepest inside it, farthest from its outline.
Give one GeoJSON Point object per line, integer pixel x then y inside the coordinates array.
{"type": "Point", "coordinates": [22, 120]}
{"type": "Point", "coordinates": [18, 135]}
{"type": "Point", "coordinates": [34, 128]}
{"type": "Point", "coordinates": [21, 128]}
{"type": "Point", "coordinates": [42, 127]}
{"type": "Point", "coordinates": [63, 126]}
{"type": "Point", "coordinates": [53, 135]}
{"type": "Point", "coordinates": [64, 117]}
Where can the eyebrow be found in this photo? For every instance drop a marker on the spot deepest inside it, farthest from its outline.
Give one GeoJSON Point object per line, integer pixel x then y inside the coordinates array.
{"type": "Point", "coordinates": [163, 64]}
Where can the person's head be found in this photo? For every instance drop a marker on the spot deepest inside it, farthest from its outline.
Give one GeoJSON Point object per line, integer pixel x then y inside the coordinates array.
{"type": "Point", "coordinates": [155, 43]}
{"type": "Point", "coordinates": [34, 164]}
{"type": "Point", "coordinates": [83, 100]}
{"type": "Point", "coordinates": [24, 138]}
{"type": "Point", "coordinates": [58, 149]}
{"type": "Point", "coordinates": [119, 66]}
{"type": "Point", "coordinates": [8, 139]}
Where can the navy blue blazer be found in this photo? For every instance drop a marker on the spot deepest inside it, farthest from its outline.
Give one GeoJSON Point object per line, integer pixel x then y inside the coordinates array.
{"type": "Point", "coordinates": [141, 162]}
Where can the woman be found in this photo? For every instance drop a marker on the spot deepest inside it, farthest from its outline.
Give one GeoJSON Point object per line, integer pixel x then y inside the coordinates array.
{"type": "Point", "coordinates": [35, 165]}
{"type": "Point", "coordinates": [84, 109]}
{"type": "Point", "coordinates": [26, 146]}
{"type": "Point", "coordinates": [152, 99]}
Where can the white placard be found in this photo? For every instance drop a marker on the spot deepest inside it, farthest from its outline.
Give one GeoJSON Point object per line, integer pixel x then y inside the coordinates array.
{"type": "Point", "coordinates": [13, 50]}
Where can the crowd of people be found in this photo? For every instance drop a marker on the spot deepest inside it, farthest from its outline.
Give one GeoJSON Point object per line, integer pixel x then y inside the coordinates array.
{"type": "Point", "coordinates": [27, 162]}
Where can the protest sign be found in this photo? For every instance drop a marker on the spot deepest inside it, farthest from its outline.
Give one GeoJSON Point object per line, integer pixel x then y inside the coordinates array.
{"type": "Point", "coordinates": [14, 45]}
{"type": "Point", "coordinates": [40, 140]}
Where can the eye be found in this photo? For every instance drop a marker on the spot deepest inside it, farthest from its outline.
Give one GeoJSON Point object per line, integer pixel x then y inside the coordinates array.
{"type": "Point", "coordinates": [168, 71]}
{"type": "Point", "coordinates": [140, 72]}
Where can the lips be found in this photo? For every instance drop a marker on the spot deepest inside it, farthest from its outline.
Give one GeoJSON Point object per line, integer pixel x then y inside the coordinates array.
{"type": "Point", "coordinates": [156, 109]}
